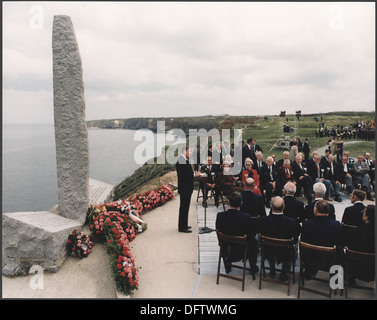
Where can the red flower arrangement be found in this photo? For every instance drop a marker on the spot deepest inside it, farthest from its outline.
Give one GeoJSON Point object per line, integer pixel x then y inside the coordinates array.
{"type": "Point", "coordinates": [117, 223]}
{"type": "Point", "coordinates": [79, 244]}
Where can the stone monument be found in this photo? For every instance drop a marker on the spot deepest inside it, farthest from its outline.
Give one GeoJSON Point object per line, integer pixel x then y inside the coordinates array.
{"type": "Point", "coordinates": [39, 238]}
{"type": "Point", "coordinates": [71, 133]}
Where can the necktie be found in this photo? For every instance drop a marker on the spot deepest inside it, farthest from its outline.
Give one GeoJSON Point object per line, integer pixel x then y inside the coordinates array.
{"type": "Point", "coordinates": [318, 170]}
{"type": "Point", "coordinates": [345, 167]}
{"type": "Point", "coordinates": [332, 169]}
{"type": "Point", "coordinates": [272, 178]}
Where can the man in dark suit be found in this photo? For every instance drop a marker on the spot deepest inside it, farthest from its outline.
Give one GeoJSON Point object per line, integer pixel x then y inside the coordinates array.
{"type": "Point", "coordinates": [277, 225]}
{"type": "Point", "coordinates": [259, 164]}
{"type": "Point", "coordinates": [362, 239]}
{"type": "Point", "coordinates": [285, 157]}
{"type": "Point", "coordinates": [353, 215]}
{"type": "Point", "coordinates": [285, 173]}
{"type": "Point", "coordinates": [186, 177]}
{"type": "Point", "coordinates": [330, 174]}
{"type": "Point", "coordinates": [372, 167]}
{"type": "Point", "coordinates": [316, 171]}
{"type": "Point", "coordinates": [360, 175]}
{"type": "Point", "coordinates": [325, 159]}
{"type": "Point", "coordinates": [237, 223]}
{"type": "Point", "coordinates": [343, 174]}
{"type": "Point", "coordinates": [303, 180]}
{"type": "Point", "coordinates": [252, 203]}
{"type": "Point", "coordinates": [269, 180]}
{"type": "Point", "coordinates": [306, 150]}
{"type": "Point", "coordinates": [255, 147]}
{"type": "Point", "coordinates": [293, 208]}
{"type": "Point", "coordinates": [247, 151]}
{"type": "Point", "coordinates": [320, 231]}
{"type": "Point", "coordinates": [211, 170]}
{"type": "Point", "coordinates": [319, 190]}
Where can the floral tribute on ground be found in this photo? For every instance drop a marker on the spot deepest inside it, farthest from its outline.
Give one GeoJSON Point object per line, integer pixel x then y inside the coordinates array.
{"type": "Point", "coordinates": [116, 224]}
{"type": "Point", "coordinates": [79, 244]}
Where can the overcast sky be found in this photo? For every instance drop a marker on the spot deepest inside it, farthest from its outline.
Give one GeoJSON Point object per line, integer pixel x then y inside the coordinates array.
{"type": "Point", "coordinates": [192, 58]}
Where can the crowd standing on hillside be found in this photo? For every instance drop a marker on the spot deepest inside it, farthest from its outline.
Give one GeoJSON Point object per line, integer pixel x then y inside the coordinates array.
{"type": "Point", "coordinates": [361, 130]}
{"type": "Point", "coordinates": [278, 184]}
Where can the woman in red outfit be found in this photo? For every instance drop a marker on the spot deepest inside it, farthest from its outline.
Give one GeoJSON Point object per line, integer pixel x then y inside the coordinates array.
{"type": "Point", "coordinates": [252, 173]}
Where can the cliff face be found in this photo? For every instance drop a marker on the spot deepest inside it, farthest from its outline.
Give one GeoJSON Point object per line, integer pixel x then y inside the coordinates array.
{"type": "Point", "coordinates": [183, 123]}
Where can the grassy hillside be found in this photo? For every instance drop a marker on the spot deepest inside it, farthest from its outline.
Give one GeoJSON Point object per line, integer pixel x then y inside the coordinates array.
{"type": "Point", "coordinates": [266, 133]}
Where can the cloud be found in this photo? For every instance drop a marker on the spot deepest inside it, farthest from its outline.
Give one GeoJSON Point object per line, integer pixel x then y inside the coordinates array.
{"type": "Point", "coordinates": [176, 59]}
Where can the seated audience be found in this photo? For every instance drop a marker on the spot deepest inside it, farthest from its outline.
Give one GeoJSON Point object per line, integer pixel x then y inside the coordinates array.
{"type": "Point", "coordinates": [285, 173]}
{"type": "Point", "coordinates": [211, 170]}
{"type": "Point", "coordinates": [343, 174]}
{"type": "Point", "coordinates": [319, 190]}
{"type": "Point", "coordinates": [353, 215]}
{"type": "Point", "coordinates": [252, 203]}
{"type": "Point", "coordinates": [270, 181]}
{"type": "Point", "coordinates": [362, 239]}
{"type": "Point", "coordinates": [303, 180]}
{"type": "Point", "coordinates": [249, 172]}
{"type": "Point", "coordinates": [293, 208]}
{"type": "Point", "coordinates": [227, 181]}
{"type": "Point", "coordinates": [361, 175]}
{"type": "Point", "coordinates": [330, 175]}
{"type": "Point", "coordinates": [317, 172]}
{"type": "Point", "coordinates": [237, 223]}
{"type": "Point", "coordinates": [320, 231]}
{"type": "Point", "coordinates": [277, 225]}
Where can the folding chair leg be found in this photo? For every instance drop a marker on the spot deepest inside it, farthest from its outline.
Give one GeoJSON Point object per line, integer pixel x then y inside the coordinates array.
{"type": "Point", "coordinates": [218, 268]}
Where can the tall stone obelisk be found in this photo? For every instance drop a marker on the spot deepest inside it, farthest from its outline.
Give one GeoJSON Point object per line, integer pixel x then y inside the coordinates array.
{"type": "Point", "coordinates": [71, 133]}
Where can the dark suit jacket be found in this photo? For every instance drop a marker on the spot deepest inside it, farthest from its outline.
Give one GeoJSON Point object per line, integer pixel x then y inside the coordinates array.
{"type": "Point", "coordinates": [247, 153]}
{"type": "Point", "coordinates": [236, 223]}
{"type": "Point", "coordinates": [265, 177]}
{"type": "Point", "coordinates": [211, 177]}
{"type": "Point", "coordinates": [297, 171]}
{"type": "Point", "coordinates": [279, 226]}
{"type": "Point", "coordinates": [306, 148]}
{"type": "Point", "coordinates": [294, 208]}
{"type": "Point", "coordinates": [322, 231]}
{"type": "Point", "coordinates": [327, 174]}
{"type": "Point", "coordinates": [185, 176]}
{"type": "Point", "coordinates": [252, 204]}
{"type": "Point", "coordinates": [255, 166]}
{"type": "Point", "coordinates": [312, 170]}
{"type": "Point", "coordinates": [361, 238]}
{"type": "Point", "coordinates": [283, 177]}
{"type": "Point", "coordinates": [340, 173]}
{"type": "Point", "coordinates": [353, 215]}
{"type": "Point", "coordinates": [309, 211]}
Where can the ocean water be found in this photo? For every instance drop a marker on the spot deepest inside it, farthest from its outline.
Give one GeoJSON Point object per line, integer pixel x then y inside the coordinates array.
{"type": "Point", "coordinates": [29, 163]}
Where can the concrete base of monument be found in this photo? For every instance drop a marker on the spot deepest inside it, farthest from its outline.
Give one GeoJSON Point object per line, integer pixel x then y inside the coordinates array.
{"type": "Point", "coordinates": [35, 239]}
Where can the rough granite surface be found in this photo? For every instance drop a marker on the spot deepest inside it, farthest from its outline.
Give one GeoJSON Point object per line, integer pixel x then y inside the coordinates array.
{"type": "Point", "coordinates": [71, 134]}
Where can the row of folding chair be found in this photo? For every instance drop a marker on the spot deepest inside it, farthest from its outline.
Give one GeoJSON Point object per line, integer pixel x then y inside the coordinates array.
{"type": "Point", "coordinates": [305, 250]}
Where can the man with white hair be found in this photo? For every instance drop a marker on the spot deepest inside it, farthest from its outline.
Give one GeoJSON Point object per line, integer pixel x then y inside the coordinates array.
{"type": "Point", "coordinates": [269, 180]}
{"type": "Point", "coordinates": [331, 175]}
{"type": "Point", "coordinates": [361, 176]}
{"type": "Point", "coordinates": [277, 225]}
{"type": "Point", "coordinates": [294, 208]}
{"type": "Point", "coordinates": [281, 161]}
{"type": "Point", "coordinates": [319, 190]}
{"type": "Point", "coordinates": [316, 171]}
{"type": "Point", "coordinates": [303, 180]}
